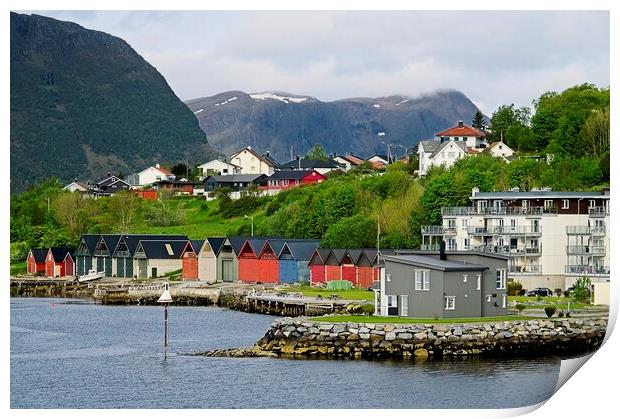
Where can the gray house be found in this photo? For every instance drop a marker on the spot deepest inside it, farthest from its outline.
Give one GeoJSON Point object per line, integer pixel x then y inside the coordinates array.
{"type": "Point", "coordinates": [444, 285]}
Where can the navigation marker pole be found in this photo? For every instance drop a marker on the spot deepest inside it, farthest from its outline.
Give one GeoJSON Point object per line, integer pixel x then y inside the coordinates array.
{"type": "Point", "coordinates": [165, 299]}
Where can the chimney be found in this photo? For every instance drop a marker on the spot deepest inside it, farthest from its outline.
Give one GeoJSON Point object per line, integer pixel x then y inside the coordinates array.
{"type": "Point", "coordinates": [442, 250]}
{"type": "Point", "coordinates": [460, 124]}
{"type": "Point", "coordinates": [267, 153]}
{"type": "Point", "coordinates": [297, 157]}
{"type": "Point", "coordinates": [109, 173]}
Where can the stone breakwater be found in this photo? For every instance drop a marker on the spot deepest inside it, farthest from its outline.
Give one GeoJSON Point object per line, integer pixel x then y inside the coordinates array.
{"type": "Point", "coordinates": [302, 337]}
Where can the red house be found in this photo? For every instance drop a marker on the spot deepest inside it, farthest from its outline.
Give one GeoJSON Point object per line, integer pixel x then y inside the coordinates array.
{"type": "Point", "coordinates": [318, 269]}
{"type": "Point", "coordinates": [268, 261]}
{"type": "Point", "coordinates": [35, 261]}
{"type": "Point", "coordinates": [248, 260]}
{"type": "Point", "coordinates": [59, 262]}
{"type": "Point", "coordinates": [189, 263]}
{"type": "Point", "coordinates": [285, 179]}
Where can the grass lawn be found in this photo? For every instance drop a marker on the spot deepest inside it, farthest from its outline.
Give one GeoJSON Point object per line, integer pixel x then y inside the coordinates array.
{"type": "Point", "coordinates": [354, 294]}
{"type": "Point", "coordinates": [382, 319]}
{"type": "Point", "coordinates": [559, 302]}
{"type": "Point", "coordinates": [19, 268]}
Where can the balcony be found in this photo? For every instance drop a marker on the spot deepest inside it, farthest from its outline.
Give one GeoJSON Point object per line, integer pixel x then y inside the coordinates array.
{"type": "Point", "coordinates": [429, 247]}
{"type": "Point", "coordinates": [525, 269]}
{"type": "Point", "coordinates": [520, 230]}
{"type": "Point", "coordinates": [432, 230]}
{"type": "Point", "coordinates": [586, 250]}
{"type": "Point", "coordinates": [479, 231]}
{"type": "Point", "coordinates": [596, 212]}
{"type": "Point", "coordinates": [587, 270]}
{"type": "Point", "coordinates": [578, 230]}
{"type": "Point", "coordinates": [598, 231]}
{"type": "Point", "coordinates": [491, 211]}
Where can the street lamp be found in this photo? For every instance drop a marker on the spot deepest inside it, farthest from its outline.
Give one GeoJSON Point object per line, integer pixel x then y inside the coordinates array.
{"type": "Point", "coordinates": [252, 228]}
{"type": "Point", "coordinates": [165, 299]}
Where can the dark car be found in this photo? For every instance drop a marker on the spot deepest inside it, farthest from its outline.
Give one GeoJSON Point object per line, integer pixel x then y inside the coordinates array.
{"type": "Point", "coordinates": [543, 292]}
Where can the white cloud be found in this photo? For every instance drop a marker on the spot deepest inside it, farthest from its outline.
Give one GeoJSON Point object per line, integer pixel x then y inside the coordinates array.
{"type": "Point", "coordinates": [492, 57]}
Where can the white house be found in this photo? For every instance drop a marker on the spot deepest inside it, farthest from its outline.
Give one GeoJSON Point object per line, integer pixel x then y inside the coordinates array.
{"type": "Point", "coordinates": [76, 186]}
{"type": "Point", "coordinates": [472, 137]}
{"type": "Point", "coordinates": [500, 149]}
{"type": "Point", "coordinates": [149, 176]}
{"type": "Point", "coordinates": [437, 153]}
{"type": "Point", "coordinates": [218, 167]}
{"type": "Point", "coordinates": [349, 161]}
{"type": "Point", "coordinates": [380, 158]}
{"type": "Point", "coordinates": [252, 163]}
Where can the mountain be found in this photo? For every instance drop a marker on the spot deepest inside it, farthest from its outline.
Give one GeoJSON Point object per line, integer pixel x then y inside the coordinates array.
{"type": "Point", "coordinates": [277, 121]}
{"type": "Point", "coordinates": [84, 103]}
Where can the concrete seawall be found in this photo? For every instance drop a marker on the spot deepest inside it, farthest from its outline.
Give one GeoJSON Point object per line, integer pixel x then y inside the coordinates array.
{"type": "Point", "coordinates": [302, 337]}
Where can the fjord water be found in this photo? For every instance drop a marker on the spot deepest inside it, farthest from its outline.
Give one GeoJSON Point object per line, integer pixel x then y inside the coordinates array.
{"type": "Point", "coordinates": [75, 354]}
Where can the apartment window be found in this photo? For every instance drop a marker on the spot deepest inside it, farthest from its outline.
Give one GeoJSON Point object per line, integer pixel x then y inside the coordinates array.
{"type": "Point", "coordinates": [500, 279]}
{"type": "Point", "coordinates": [565, 204]}
{"type": "Point", "coordinates": [450, 303]}
{"type": "Point", "coordinates": [464, 138]}
{"type": "Point", "coordinates": [548, 203]}
{"type": "Point", "coordinates": [503, 300]}
{"type": "Point", "coordinates": [513, 224]}
{"type": "Point", "coordinates": [465, 244]}
{"type": "Point", "coordinates": [592, 203]}
{"type": "Point", "coordinates": [451, 223]}
{"type": "Point", "coordinates": [422, 280]}
{"type": "Point", "coordinates": [464, 278]}
{"type": "Point", "coordinates": [464, 222]}
{"type": "Point", "coordinates": [478, 281]}
{"type": "Point", "coordinates": [524, 203]}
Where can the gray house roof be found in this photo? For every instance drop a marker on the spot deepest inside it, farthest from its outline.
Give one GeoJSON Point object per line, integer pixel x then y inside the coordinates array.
{"type": "Point", "coordinates": [461, 144]}
{"type": "Point", "coordinates": [430, 145]}
{"type": "Point", "coordinates": [538, 194]}
{"type": "Point", "coordinates": [435, 263]}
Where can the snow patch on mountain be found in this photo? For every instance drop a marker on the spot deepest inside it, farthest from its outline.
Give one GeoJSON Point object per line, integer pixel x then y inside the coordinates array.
{"type": "Point", "coordinates": [402, 101]}
{"type": "Point", "coordinates": [226, 101]}
{"type": "Point", "coordinates": [198, 111]}
{"type": "Point", "coordinates": [285, 99]}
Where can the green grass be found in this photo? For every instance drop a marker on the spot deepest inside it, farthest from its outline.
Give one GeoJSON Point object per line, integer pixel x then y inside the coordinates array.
{"type": "Point", "coordinates": [353, 294]}
{"type": "Point", "coordinates": [382, 319]}
{"type": "Point", "coordinates": [561, 303]}
{"type": "Point", "coordinates": [19, 268]}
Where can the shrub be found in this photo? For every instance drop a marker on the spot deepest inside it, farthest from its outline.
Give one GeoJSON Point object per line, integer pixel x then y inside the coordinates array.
{"type": "Point", "coordinates": [581, 290]}
{"type": "Point", "coordinates": [355, 309]}
{"type": "Point", "coordinates": [550, 311]}
{"type": "Point", "coordinates": [368, 309]}
{"type": "Point", "coordinates": [520, 307]}
{"type": "Point", "coordinates": [538, 298]}
{"type": "Point", "coordinates": [514, 288]}
{"type": "Point", "coordinates": [558, 292]}
{"type": "Point", "coordinates": [560, 313]}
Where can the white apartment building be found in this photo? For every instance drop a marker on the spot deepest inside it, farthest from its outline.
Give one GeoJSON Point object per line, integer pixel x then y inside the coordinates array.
{"type": "Point", "coordinates": [552, 238]}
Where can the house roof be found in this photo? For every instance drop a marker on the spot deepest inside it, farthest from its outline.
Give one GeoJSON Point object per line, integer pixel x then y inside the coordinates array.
{"type": "Point", "coordinates": [291, 174]}
{"type": "Point", "coordinates": [276, 245]}
{"type": "Point", "coordinates": [91, 241]}
{"type": "Point", "coordinates": [256, 245]}
{"type": "Point", "coordinates": [381, 156]}
{"type": "Point", "coordinates": [177, 182]}
{"type": "Point", "coordinates": [111, 240]}
{"type": "Point", "coordinates": [234, 178]}
{"type": "Point", "coordinates": [217, 161]}
{"type": "Point", "coordinates": [377, 164]}
{"type": "Point", "coordinates": [308, 164]}
{"type": "Point", "coordinates": [429, 145]}
{"type": "Point", "coordinates": [216, 244]}
{"type": "Point", "coordinates": [39, 255]}
{"type": "Point", "coordinates": [60, 253]}
{"type": "Point", "coordinates": [132, 240]}
{"type": "Point", "coordinates": [461, 130]}
{"type": "Point", "coordinates": [510, 195]}
{"type": "Point", "coordinates": [322, 254]}
{"type": "Point", "coordinates": [163, 249]}
{"type": "Point", "coordinates": [434, 262]}
{"type": "Point", "coordinates": [460, 144]}
{"type": "Point", "coordinates": [236, 242]}
{"type": "Point", "coordinates": [267, 158]}
{"type": "Point", "coordinates": [302, 249]}
{"type": "Point", "coordinates": [196, 245]}
{"type": "Point", "coordinates": [82, 185]}
{"type": "Point", "coordinates": [353, 159]}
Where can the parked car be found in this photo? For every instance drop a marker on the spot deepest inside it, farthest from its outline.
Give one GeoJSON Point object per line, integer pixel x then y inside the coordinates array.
{"type": "Point", "coordinates": [543, 292]}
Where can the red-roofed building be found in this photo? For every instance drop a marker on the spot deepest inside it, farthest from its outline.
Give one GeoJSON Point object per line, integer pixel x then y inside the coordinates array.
{"type": "Point", "coordinates": [460, 132]}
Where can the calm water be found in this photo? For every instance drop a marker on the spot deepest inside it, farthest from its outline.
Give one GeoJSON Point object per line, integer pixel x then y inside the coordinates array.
{"type": "Point", "coordinates": [73, 354]}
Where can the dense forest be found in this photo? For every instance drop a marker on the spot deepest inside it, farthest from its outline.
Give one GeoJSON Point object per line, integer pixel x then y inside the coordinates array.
{"type": "Point", "coordinates": [348, 208]}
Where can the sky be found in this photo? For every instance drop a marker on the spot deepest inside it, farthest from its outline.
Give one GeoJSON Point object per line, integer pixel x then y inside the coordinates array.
{"type": "Point", "coordinates": [494, 57]}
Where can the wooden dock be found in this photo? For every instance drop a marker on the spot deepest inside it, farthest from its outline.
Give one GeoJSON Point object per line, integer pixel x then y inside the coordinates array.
{"type": "Point", "coordinates": [292, 306]}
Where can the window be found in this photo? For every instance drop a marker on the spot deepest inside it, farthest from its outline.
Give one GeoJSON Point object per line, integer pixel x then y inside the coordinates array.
{"type": "Point", "coordinates": [451, 155]}
{"type": "Point", "coordinates": [478, 281]}
{"type": "Point", "coordinates": [451, 223]}
{"type": "Point", "coordinates": [422, 280]}
{"type": "Point", "coordinates": [450, 303]}
{"type": "Point", "coordinates": [464, 222]}
{"type": "Point", "coordinates": [524, 203]}
{"type": "Point", "coordinates": [404, 305]}
{"type": "Point", "coordinates": [592, 203]}
{"type": "Point", "coordinates": [565, 204]}
{"type": "Point", "coordinates": [464, 278]}
{"type": "Point", "coordinates": [500, 279]}
{"type": "Point", "coordinates": [488, 298]}
{"type": "Point", "coordinates": [503, 300]}
{"type": "Point", "coordinates": [388, 277]}
{"type": "Point", "coordinates": [513, 224]}
{"type": "Point", "coordinates": [548, 203]}
{"type": "Point", "coordinates": [465, 244]}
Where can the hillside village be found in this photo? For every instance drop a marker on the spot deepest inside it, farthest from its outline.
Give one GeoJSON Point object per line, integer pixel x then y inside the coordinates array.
{"type": "Point", "coordinates": [502, 237]}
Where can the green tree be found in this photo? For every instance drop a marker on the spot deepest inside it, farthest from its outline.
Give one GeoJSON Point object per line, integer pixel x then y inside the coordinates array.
{"type": "Point", "coordinates": [317, 153]}
{"type": "Point", "coordinates": [581, 290]}
{"type": "Point", "coordinates": [122, 210]}
{"type": "Point", "coordinates": [594, 133]}
{"type": "Point", "coordinates": [74, 212]}
{"type": "Point", "coordinates": [478, 121]}
{"type": "Point", "coordinates": [352, 232]}
{"type": "Point", "coordinates": [512, 125]}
